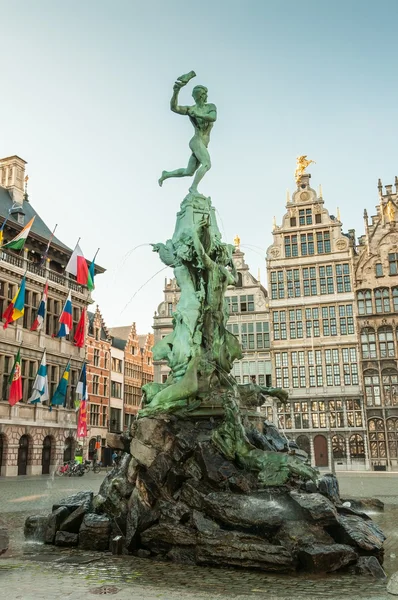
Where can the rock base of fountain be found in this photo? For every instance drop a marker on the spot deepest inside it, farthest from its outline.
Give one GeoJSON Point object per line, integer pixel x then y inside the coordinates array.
{"type": "Point", "coordinates": [175, 497]}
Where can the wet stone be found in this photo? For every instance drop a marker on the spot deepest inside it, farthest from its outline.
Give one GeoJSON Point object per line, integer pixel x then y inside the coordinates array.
{"type": "Point", "coordinates": [355, 531]}
{"type": "Point", "coordinates": [74, 520]}
{"type": "Point", "coordinates": [365, 504]}
{"type": "Point", "coordinates": [54, 522]}
{"type": "Point", "coordinates": [319, 508]}
{"type": "Point", "coordinates": [65, 538]}
{"type": "Point", "coordinates": [323, 558]}
{"type": "Point", "coordinates": [369, 565]}
{"type": "Point", "coordinates": [94, 532]}
{"type": "Point", "coordinates": [202, 524]}
{"type": "Point", "coordinates": [144, 455]}
{"type": "Point", "coordinates": [329, 487]}
{"type": "Point", "coordinates": [35, 528]}
{"type": "Point", "coordinates": [298, 534]}
{"type": "Point", "coordinates": [162, 537]}
{"type": "Point", "coordinates": [392, 585]}
{"type": "Point", "coordinates": [76, 500]}
{"type": "Point", "coordinates": [244, 511]}
{"type": "Point", "coordinates": [4, 538]}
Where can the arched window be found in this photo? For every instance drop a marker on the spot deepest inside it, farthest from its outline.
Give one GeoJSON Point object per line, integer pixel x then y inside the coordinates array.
{"type": "Point", "coordinates": [368, 342]}
{"type": "Point", "coordinates": [386, 341]}
{"type": "Point", "coordinates": [382, 300]}
{"type": "Point", "coordinates": [372, 388]}
{"type": "Point", "coordinates": [339, 449]}
{"type": "Point", "coordinates": [239, 283]}
{"type": "Point", "coordinates": [365, 302]}
{"type": "Point", "coordinates": [392, 436]}
{"type": "Point", "coordinates": [377, 439]}
{"type": "Point", "coordinates": [395, 298]}
{"type": "Point", "coordinates": [303, 443]}
{"type": "Point", "coordinates": [390, 387]}
{"type": "Point", "coordinates": [357, 446]}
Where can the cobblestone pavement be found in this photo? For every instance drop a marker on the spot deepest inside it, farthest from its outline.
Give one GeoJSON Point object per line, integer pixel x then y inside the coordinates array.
{"type": "Point", "coordinates": [35, 572]}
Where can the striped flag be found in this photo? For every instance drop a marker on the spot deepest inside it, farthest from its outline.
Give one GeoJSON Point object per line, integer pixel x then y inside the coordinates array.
{"type": "Point", "coordinates": [41, 313]}
{"type": "Point", "coordinates": [15, 379]}
{"type": "Point", "coordinates": [18, 242]}
{"type": "Point", "coordinates": [59, 398]}
{"type": "Point", "coordinates": [40, 385]}
{"type": "Point", "coordinates": [77, 266]}
{"type": "Point", "coordinates": [16, 308]}
{"type": "Point", "coordinates": [66, 321]}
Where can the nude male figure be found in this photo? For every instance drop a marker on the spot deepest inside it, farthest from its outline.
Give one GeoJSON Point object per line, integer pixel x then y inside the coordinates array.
{"type": "Point", "coordinates": [202, 117]}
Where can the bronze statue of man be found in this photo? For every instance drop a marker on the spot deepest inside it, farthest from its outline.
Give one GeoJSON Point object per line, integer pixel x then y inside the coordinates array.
{"type": "Point", "coordinates": [202, 117]}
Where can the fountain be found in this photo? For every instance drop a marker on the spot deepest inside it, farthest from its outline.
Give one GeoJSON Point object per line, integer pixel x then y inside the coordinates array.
{"type": "Point", "coordinates": [198, 481]}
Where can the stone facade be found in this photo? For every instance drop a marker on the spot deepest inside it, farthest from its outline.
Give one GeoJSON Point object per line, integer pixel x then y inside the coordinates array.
{"type": "Point", "coordinates": [138, 367]}
{"type": "Point", "coordinates": [376, 281]}
{"type": "Point", "coordinates": [249, 321]}
{"type": "Point", "coordinates": [314, 338]}
{"type": "Point", "coordinates": [33, 439]}
{"type": "Point", "coordinates": [98, 356]}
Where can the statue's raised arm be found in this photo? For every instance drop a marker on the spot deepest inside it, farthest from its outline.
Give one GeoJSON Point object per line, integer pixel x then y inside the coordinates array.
{"type": "Point", "coordinates": [202, 116]}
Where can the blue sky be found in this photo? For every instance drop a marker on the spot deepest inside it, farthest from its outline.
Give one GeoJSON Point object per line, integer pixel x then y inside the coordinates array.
{"type": "Point", "coordinates": [85, 100]}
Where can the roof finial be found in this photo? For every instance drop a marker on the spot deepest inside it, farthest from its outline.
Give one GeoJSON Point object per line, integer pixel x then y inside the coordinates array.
{"type": "Point", "coordinates": [320, 195]}
{"type": "Point", "coordinates": [26, 187]}
{"type": "Point", "coordinates": [259, 275]}
{"type": "Point", "coordinates": [338, 214]}
{"type": "Point", "coordinates": [287, 196]}
{"type": "Point", "coordinates": [237, 241]}
{"type": "Point", "coordinates": [380, 186]}
{"type": "Point", "coordinates": [274, 223]}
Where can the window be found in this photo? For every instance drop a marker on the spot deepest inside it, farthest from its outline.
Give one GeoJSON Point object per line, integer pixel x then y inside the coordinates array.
{"type": "Point", "coordinates": [343, 281]}
{"type": "Point", "coordinates": [232, 302]}
{"type": "Point", "coordinates": [323, 242]}
{"type": "Point", "coordinates": [279, 324]}
{"type": "Point", "coordinates": [29, 370]}
{"type": "Point", "coordinates": [97, 334]}
{"type": "Point", "coordinates": [96, 385]}
{"type": "Point", "coordinates": [307, 244]}
{"type": "Point", "coordinates": [247, 303]}
{"type": "Point", "coordinates": [106, 387]}
{"type": "Point", "coordinates": [338, 445]}
{"type": "Point", "coordinates": [318, 218]}
{"type": "Point", "coordinates": [116, 389]}
{"type": "Point", "coordinates": [395, 298]}
{"type": "Point", "coordinates": [296, 323]}
{"type": "Point", "coordinates": [368, 343]}
{"type": "Point", "coordinates": [309, 281]}
{"type": "Point", "coordinates": [94, 414]}
{"type": "Point", "coordinates": [377, 439]}
{"type": "Point", "coordinates": [96, 357]}
{"type": "Point", "coordinates": [390, 387]}
{"type": "Point", "coordinates": [318, 415]}
{"type": "Point", "coordinates": [357, 446]}
{"type": "Point", "coordinates": [382, 300]}
{"type": "Point", "coordinates": [301, 415]}
{"type": "Point", "coordinates": [392, 436]}
{"type": "Point", "coordinates": [326, 284]}
{"type": "Point", "coordinates": [379, 270]}
{"type": "Point", "coordinates": [128, 394]}
{"type": "Point", "coordinates": [354, 413]}
{"type": "Point", "coordinates": [372, 388]}
{"type": "Point", "coordinates": [284, 415]}
{"type": "Point", "coordinates": [115, 420]}
{"type": "Point", "coordinates": [247, 336]}
{"type": "Point", "coordinates": [291, 247]}
{"type": "Point", "coordinates": [262, 336]}
{"type": "Point", "coordinates": [116, 365]}
{"type": "Point", "coordinates": [106, 360]}
{"type": "Point", "coordinates": [305, 216]}
{"type": "Point", "coordinates": [386, 342]}
{"type": "Point", "coordinates": [293, 221]}
{"type": "Point", "coordinates": [32, 301]}
{"type": "Point", "coordinates": [393, 263]}
{"type": "Point", "coordinates": [350, 366]}
{"type": "Point", "coordinates": [336, 413]}
{"type": "Point", "coordinates": [365, 302]}
{"type": "Point", "coordinates": [346, 319]}
{"type": "Point", "coordinates": [6, 363]}
{"type": "Point", "coordinates": [169, 309]}
{"type": "Point", "coordinates": [52, 316]}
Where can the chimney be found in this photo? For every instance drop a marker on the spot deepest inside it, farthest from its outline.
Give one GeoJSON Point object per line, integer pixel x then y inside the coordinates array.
{"type": "Point", "coordinates": [12, 175]}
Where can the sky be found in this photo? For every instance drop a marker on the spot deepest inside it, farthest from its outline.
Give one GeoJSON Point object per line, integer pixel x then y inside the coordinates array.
{"type": "Point", "coordinates": [85, 91]}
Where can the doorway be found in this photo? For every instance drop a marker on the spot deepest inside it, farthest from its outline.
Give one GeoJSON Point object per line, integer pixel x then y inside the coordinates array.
{"type": "Point", "coordinates": [23, 451]}
{"type": "Point", "coordinates": [46, 456]}
{"type": "Point", "coordinates": [321, 451]}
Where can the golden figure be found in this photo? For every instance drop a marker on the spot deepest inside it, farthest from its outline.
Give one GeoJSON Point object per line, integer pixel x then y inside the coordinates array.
{"type": "Point", "coordinates": [237, 241]}
{"type": "Point", "coordinates": [390, 210]}
{"type": "Point", "coordinates": [302, 163]}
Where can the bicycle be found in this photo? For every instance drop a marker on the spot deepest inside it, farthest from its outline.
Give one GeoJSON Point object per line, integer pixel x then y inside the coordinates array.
{"type": "Point", "coordinates": [64, 469]}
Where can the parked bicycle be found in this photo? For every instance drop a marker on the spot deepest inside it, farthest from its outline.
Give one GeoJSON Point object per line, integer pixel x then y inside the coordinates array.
{"type": "Point", "coordinates": [64, 469]}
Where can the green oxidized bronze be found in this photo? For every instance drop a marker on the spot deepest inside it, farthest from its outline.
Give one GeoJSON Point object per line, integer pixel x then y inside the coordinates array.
{"type": "Point", "coordinates": [200, 350]}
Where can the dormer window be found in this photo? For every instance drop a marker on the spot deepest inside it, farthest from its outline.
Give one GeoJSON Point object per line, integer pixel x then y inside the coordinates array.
{"type": "Point", "coordinates": [20, 219]}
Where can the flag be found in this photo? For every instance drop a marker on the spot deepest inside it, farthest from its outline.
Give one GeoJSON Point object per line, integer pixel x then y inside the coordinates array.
{"type": "Point", "coordinates": [15, 379]}
{"type": "Point", "coordinates": [18, 242]}
{"type": "Point", "coordinates": [81, 388]}
{"type": "Point", "coordinates": [81, 330]}
{"type": "Point", "coordinates": [44, 257]}
{"type": "Point", "coordinates": [40, 385]}
{"type": "Point", "coordinates": [41, 313]}
{"type": "Point", "coordinates": [59, 397]}
{"type": "Point", "coordinates": [82, 421]}
{"type": "Point", "coordinates": [91, 273]}
{"type": "Point", "coordinates": [77, 266]}
{"type": "Point", "coordinates": [66, 321]}
{"type": "Point", "coordinates": [2, 228]}
{"type": "Point", "coordinates": [16, 308]}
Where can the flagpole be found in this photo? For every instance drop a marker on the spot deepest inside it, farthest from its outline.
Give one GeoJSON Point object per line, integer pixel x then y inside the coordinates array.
{"type": "Point", "coordinates": [44, 257]}
{"type": "Point", "coordinates": [95, 255]}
